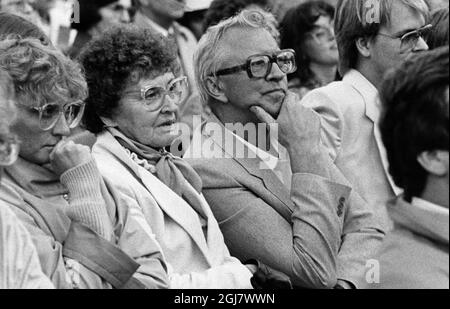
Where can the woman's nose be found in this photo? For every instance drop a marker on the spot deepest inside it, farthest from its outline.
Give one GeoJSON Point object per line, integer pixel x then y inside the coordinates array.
{"type": "Point", "coordinates": [170, 103]}
{"type": "Point", "coordinates": [61, 127]}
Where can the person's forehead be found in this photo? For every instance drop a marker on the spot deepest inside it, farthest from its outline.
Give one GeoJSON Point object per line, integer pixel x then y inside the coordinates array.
{"type": "Point", "coordinates": [238, 44]}
{"type": "Point", "coordinates": [324, 21]}
{"type": "Point", "coordinates": [404, 18]}
{"type": "Point", "coordinates": [160, 79]}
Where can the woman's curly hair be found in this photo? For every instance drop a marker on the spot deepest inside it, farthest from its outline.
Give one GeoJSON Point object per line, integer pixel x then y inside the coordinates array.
{"type": "Point", "coordinates": [121, 56]}
{"type": "Point", "coordinates": [40, 73]}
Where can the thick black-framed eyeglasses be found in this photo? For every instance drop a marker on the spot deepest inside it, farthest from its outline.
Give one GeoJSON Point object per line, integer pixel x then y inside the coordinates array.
{"type": "Point", "coordinates": [259, 66]}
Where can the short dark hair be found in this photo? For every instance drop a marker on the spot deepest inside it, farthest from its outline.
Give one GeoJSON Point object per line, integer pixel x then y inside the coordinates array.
{"type": "Point", "coordinates": [296, 24]}
{"type": "Point", "coordinates": [13, 25]}
{"type": "Point", "coordinates": [223, 9]}
{"type": "Point", "coordinates": [415, 116]}
{"type": "Point", "coordinates": [439, 35]}
{"type": "Point", "coordinates": [110, 59]}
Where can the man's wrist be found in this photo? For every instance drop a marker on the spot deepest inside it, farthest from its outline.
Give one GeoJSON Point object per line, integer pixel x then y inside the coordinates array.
{"type": "Point", "coordinates": [309, 160]}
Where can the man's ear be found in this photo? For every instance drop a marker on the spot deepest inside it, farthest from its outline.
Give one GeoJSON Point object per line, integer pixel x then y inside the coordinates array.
{"type": "Point", "coordinates": [435, 162]}
{"type": "Point", "coordinates": [363, 45]}
{"type": "Point", "coordinates": [215, 89]}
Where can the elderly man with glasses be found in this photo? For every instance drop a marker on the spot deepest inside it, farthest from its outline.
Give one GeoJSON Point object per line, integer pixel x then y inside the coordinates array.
{"type": "Point", "coordinates": [286, 204]}
{"type": "Point", "coordinates": [19, 262]}
{"type": "Point", "coordinates": [372, 37]}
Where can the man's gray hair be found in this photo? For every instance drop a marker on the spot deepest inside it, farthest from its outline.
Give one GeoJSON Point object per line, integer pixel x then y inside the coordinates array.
{"type": "Point", "coordinates": [208, 57]}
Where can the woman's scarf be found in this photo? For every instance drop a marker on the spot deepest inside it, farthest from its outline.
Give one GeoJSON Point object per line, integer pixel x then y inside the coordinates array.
{"type": "Point", "coordinates": [173, 171]}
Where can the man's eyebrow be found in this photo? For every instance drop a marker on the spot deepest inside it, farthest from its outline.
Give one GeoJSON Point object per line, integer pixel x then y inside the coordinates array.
{"type": "Point", "coordinates": [403, 32]}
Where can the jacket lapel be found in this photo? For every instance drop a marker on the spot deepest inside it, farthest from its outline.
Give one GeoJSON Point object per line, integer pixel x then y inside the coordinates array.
{"type": "Point", "coordinates": [371, 99]}
{"type": "Point", "coordinates": [272, 184]}
{"type": "Point", "coordinates": [253, 167]}
{"type": "Point", "coordinates": [172, 204]}
{"type": "Point", "coordinates": [167, 200]}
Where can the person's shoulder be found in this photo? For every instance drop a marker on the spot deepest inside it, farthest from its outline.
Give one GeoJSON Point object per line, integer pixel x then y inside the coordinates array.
{"type": "Point", "coordinates": [337, 92]}
{"type": "Point", "coordinates": [10, 192]}
{"type": "Point", "coordinates": [189, 36]}
{"type": "Point", "coordinates": [110, 166]}
{"type": "Point", "coordinates": [408, 260]}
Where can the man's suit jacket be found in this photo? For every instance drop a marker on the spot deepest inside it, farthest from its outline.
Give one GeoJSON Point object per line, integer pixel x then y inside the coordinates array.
{"type": "Point", "coordinates": [197, 256]}
{"type": "Point", "coordinates": [299, 231]}
{"type": "Point", "coordinates": [350, 112]}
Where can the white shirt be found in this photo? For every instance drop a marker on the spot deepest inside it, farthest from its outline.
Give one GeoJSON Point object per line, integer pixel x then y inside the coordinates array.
{"type": "Point", "coordinates": [280, 165]}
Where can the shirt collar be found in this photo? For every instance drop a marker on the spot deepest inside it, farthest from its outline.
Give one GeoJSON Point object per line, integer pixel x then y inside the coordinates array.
{"type": "Point", "coordinates": [367, 90]}
{"type": "Point", "coordinates": [423, 217]}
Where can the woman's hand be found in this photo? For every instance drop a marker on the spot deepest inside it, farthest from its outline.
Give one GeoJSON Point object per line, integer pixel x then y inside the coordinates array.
{"type": "Point", "coordinates": [67, 155]}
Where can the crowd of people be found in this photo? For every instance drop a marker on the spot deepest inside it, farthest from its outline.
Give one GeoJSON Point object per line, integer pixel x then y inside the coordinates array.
{"type": "Point", "coordinates": [224, 144]}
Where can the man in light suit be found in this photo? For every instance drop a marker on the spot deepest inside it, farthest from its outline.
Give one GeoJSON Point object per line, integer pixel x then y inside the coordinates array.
{"type": "Point", "coordinates": [297, 215]}
{"type": "Point", "coordinates": [371, 40]}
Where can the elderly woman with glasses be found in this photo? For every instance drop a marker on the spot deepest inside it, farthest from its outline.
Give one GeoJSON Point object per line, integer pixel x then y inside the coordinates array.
{"type": "Point", "coordinates": [19, 265]}
{"type": "Point", "coordinates": [84, 239]}
{"type": "Point", "coordinates": [133, 105]}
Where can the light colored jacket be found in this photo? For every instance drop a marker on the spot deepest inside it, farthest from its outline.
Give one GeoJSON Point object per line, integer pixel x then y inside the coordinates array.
{"type": "Point", "coordinates": [350, 112]}
{"type": "Point", "coordinates": [71, 254]}
{"type": "Point", "coordinates": [297, 230]}
{"type": "Point", "coordinates": [197, 257]}
{"type": "Point", "coordinates": [19, 261]}
{"type": "Point", "coordinates": [415, 254]}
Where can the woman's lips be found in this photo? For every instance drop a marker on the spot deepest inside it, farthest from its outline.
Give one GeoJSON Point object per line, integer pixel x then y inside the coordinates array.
{"type": "Point", "coordinates": [167, 123]}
